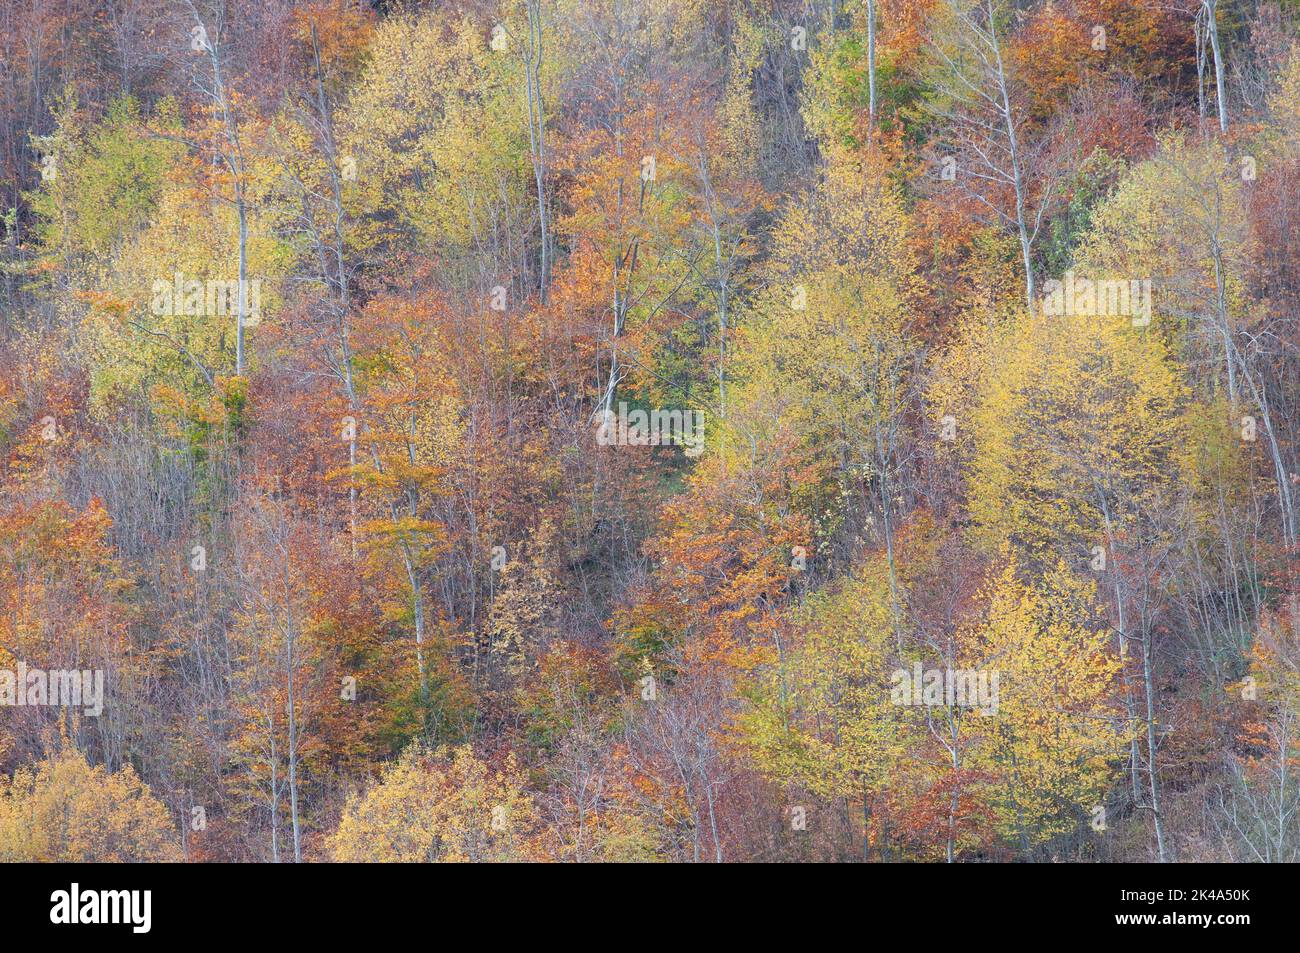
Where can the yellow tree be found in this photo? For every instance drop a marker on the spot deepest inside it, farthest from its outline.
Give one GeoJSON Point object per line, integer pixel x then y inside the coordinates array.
{"type": "Point", "coordinates": [134, 226]}
{"type": "Point", "coordinates": [1077, 421]}
{"type": "Point", "coordinates": [62, 810]}
{"type": "Point", "coordinates": [435, 140]}
{"type": "Point", "coordinates": [1079, 427]}
{"type": "Point", "coordinates": [1180, 220]}
{"type": "Point", "coordinates": [445, 806]}
{"type": "Point", "coordinates": [831, 334]}
{"type": "Point", "coordinates": [1058, 732]}
{"type": "Point", "coordinates": [163, 319]}
{"type": "Point", "coordinates": [821, 716]}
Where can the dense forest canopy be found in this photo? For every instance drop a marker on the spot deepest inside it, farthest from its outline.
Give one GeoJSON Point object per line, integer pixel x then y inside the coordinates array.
{"type": "Point", "coordinates": [649, 430]}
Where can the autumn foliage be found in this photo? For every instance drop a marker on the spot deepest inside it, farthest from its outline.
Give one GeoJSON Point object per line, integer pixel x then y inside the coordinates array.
{"type": "Point", "coordinates": [578, 430]}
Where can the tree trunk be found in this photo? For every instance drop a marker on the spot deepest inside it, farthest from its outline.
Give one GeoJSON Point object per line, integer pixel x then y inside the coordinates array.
{"type": "Point", "coordinates": [1212, 25]}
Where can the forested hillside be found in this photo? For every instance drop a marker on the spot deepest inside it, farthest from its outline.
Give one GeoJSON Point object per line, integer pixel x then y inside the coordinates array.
{"type": "Point", "coordinates": [650, 430]}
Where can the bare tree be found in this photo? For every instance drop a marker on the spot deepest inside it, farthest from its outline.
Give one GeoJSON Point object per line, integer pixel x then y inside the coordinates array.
{"type": "Point", "coordinates": [976, 97]}
{"type": "Point", "coordinates": [1207, 33]}
{"type": "Point", "coordinates": [531, 53]}
{"type": "Point", "coordinates": [207, 38]}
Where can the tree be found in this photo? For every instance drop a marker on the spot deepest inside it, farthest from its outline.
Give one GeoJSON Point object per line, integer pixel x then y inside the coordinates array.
{"type": "Point", "coordinates": [1058, 733]}
{"type": "Point", "coordinates": [820, 714]}
{"type": "Point", "coordinates": [437, 136]}
{"type": "Point", "coordinates": [1195, 250]}
{"type": "Point", "coordinates": [979, 100]}
{"type": "Point", "coordinates": [62, 810]}
{"type": "Point", "coordinates": [408, 411]}
{"type": "Point", "coordinates": [1079, 432]}
{"type": "Point", "coordinates": [442, 806]}
{"type": "Point", "coordinates": [1207, 31]}
{"type": "Point", "coordinates": [833, 331]}
{"type": "Point", "coordinates": [65, 604]}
